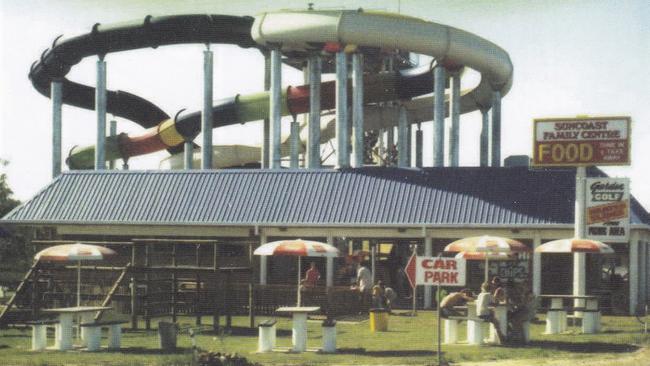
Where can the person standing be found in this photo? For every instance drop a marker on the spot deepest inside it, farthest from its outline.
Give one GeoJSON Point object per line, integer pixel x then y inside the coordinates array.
{"type": "Point", "coordinates": [364, 285]}
{"type": "Point", "coordinates": [312, 276]}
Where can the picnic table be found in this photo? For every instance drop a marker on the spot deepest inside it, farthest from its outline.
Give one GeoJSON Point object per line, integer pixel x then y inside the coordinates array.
{"type": "Point", "coordinates": [299, 324]}
{"type": "Point", "coordinates": [64, 327]}
{"type": "Point", "coordinates": [587, 309]}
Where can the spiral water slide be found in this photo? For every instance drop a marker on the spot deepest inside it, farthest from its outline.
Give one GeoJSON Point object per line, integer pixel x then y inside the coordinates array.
{"type": "Point", "coordinates": [166, 133]}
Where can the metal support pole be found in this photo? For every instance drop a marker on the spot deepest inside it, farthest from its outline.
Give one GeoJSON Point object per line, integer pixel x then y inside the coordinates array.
{"type": "Point", "coordinates": [403, 138]}
{"type": "Point", "coordinates": [266, 124]}
{"type": "Point", "coordinates": [496, 128]}
{"type": "Point", "coordinates": [409, 136]}
{"type": "Point", "coordinates": [634, 273]}
{"type": "Point", "coordinates": [313, 137]}
{"type": "Point", "coordinates": [56, 94]}
{"type": "Point", "coordinates": [579, 259]}
{"type": "Point", "coordinates": [275, 109]}
{"type": "Point", "coordinates": [357, 108]}
{"type": "Point", "coordinates": [188, 155]}
{"type": "Point", "coordinates": [112, 131]}
{"type": "Point", "coordinates": [454, 113]}
{"type": "Point", "coordinates": [329, 265]}
{"type": "Point", "coordinates": [295, 145]}
{"type": "Point", "coordinates": [263, 262]}
{"type": "Point", "coordinates": [100, 109]}
{"type": "Point", "coordinates": [537, 265]}
{"type": "Point", "coordinates": [428, 252]}
{"type": "Point", "coordinates": [206, 116]}
{"type": "Point", "coordinates": [418, 147]}
{"type": "Point", "coordinates": [439, 116]}
{"type": "Point", "coordinates": [390, 143]}
{"type": "Point", "coordinates": [342, 135]}
{"type": "Point", "coordinates": [485, 137]}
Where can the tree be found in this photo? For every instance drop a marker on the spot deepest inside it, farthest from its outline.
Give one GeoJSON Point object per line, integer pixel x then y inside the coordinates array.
{"type": "Point", "coordinates": [13, 255]}
{"type": "Point", "coordinates": [7, 202]}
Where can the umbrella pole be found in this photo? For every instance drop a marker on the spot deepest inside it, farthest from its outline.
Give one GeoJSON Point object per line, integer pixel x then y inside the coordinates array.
{"type": "Point", "coordinates": [299, 270]}
{"type": "Point", "coordinates": [78, 283]}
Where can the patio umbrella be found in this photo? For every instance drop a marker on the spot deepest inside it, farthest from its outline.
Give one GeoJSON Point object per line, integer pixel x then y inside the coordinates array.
{"type": "Point", "coordinates": [75, 252]}
{"type": "Point", "coordinates": [297, 248]}
{"type": "Point", "coordinates": [574, 245]}
{"type": "Point", "coordinates": [487, 247]}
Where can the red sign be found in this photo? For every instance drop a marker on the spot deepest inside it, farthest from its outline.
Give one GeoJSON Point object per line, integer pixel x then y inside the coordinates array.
{"type": "Point", "coordinates": [435, 271]}
{"type": "Point", "coordinates": [582, 141]}
{"type": "Point", "coordinates": [608, 212]}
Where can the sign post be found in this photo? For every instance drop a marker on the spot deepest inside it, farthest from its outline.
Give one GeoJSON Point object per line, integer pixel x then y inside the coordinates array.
{"type": "Point", "coordinates": [436, 271]}
{"type": "Point", "coordinates": [581, 142]}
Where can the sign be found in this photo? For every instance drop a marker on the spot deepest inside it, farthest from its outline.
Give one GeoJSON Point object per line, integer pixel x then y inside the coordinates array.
{"type": "Point", "coordinates": [607, 216]}
{"type": "Point", "coordinates": [433, 271]}
{"type": "Point", "coordinates": [581, 141]}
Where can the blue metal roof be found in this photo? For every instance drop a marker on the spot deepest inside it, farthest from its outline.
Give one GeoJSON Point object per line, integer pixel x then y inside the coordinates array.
{"type": "Point", "coordinates": [366, 196]}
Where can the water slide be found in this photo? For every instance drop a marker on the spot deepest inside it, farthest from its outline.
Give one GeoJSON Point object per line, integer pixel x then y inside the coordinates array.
{"type": "Point", "coordinates": [302, 33]}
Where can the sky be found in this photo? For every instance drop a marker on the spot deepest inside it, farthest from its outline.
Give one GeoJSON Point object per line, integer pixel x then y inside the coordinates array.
{"type": "Point", "coordinates": [570, 58]}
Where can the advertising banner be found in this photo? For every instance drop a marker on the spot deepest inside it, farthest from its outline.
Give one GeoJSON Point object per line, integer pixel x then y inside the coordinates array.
{"type": "Point", "coordinates": [581, 141]}
{"type": "Point", "coordinates": [607, 216]}
{"type": "Point", "coordinates": [431, 271]}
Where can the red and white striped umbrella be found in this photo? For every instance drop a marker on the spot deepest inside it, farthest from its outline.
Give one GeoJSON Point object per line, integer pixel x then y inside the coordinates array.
{"type": "Point", "coordinates": [484, 255]}
{"type": "Point", "coordinates": [486, 243]}
{"type": "Point", "coordinates": [297, 248]}
{"type": "Point", "coordinates": [575, 245]}
{"type": "Point", "coordinates": [75, 253]}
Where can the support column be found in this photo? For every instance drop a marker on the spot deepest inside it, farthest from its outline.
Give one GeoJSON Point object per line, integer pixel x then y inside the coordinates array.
{"type": "Point", "coordinates": [188, 155]}
{"type": "Point", "coordinates": [579, 259]}
{"type": "Point", "coordinates": [485, 137]}
{"type": "Point", "coordinates": [56, 94]}
{"type": "Point", "coordinates": [313, 136]}
{"type": "Point", "coordinates": [496, 128]}
{"type": "Point", "coordinates": [112, 132]}
{"type": "Point", "coordinates": [409, 137]}
{"type": "Point", "coordinates": [100, 109]}
{"type": "Point", "coordinates": [294, 145]}
{"type": "Point", "coordinates": [428, 252]}
{"type": "Point", "coordinates": [633, 270]}
{"type": "Point", "coordinates": [275, 108]}
{"type": "Point", "coordinates": [403, 137]}
{"type": "Point", "coordinates": [454, 113]}
{"type": "Point", "coordinates": [439, 116]}
{"type": "Point", "coordinates": [357, 108]}
{"type": "Point", "coordinates": [537, 265]}
{"type": "Point", "coordinates": [329, 266]}
{"type": "Point", "coordinates": [266, 124]}
{"type": "Point", "coordinates": [342, 135]}
{"type": "Point", "coordinates": [206, 116]}
{"type": "Point", "coordinates": [418, 147]}
{"type": "Point", "coordinates": [263, 261]}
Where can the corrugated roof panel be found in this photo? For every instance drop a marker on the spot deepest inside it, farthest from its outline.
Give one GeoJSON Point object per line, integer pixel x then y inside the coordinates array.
{"type": "Point", "coordinates": [365, 196]}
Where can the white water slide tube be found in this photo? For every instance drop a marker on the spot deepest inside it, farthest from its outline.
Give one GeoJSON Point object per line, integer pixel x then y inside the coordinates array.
{"type": "Point", "coordinates": [300, 30]}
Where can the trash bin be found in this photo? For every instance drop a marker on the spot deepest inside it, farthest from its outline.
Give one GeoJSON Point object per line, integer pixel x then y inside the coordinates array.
{"type": "Point", "coordinates": [329, 336]}
{"type": "Point", "coordinates": [167, 335]}
{"type": "Point", "coordinates": [266, 339]}
{"type": "Point", "coordinates": [378, 320]}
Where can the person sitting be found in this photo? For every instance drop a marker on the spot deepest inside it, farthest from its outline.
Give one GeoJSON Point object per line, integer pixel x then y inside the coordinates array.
{"type": "Point", "coordinates": [525, 311]}
{"type": "Point", "coordinates": [498, 292]}
{"type": "Point", "coordinates": [378, 297]}
{"type": "Point", "coordinates": [390, 296]}
{"type": "Point", "coordinates": [311, 276]}
{"type": "Point", "coordinates": [454, 299]}
{"type": "Point", "coordinates": [483, 302]}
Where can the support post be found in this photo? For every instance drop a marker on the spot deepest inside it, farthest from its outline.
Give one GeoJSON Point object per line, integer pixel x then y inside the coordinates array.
{"type": "Point", "coordinates": [295, 145]}
{"type": "Point", "coordinates": [56, 94]}
{"type": "Point", "coordinates": [329, 266]}
{"type": "Point", "coordinates": [100, 109]}
{"type": "Point", "coordinates": [197, 294]}
{"type": "Point", "coordinates": [147, 263]}
{"type": "Point", "coordinates": [485, 137]}
{"type": "Point", "coordinates": [428, 252]}
{"type": "Point", "coordinates": [357, 108]}
{"type": "Point", "coordinates": [206, 116]}
{"type": "Point", "coordinates": [342, 135]}
{"type": "Point", "coordinates": [403, 137]}
{"type": "Point", "coordinates": [313, 136]}
{"type": "Point", "coordinates": [263, 261]}
{"type": "Point", "coordinates": [634, 272]}
{"type": "Point", "coordinates": [418, 147]}
{"type": "Point", "coordinates": [134, 290]}
{"type": "Point", "coordinates": [537, 265]}
{"type": "Point", "coordinates": [454, 113]}
{"type": "Point", "coordinates": [188, 155]}
{"type": "Point", "coordinates": [579, 259]}
{"type": "Point", "coordinates": [496, 128]}
{"type": "Point", "coordinates": [275, 109]}
{"type": "Point", "coordinates": [174, 284]}
{"type": "Point", "coordinates": [266, 124]}
{"type": "Point", "coordinates": [439, 116]}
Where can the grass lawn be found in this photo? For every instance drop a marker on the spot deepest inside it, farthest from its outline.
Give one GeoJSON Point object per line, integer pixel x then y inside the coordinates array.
{"type": "Point", "coordinates": [410, 340]}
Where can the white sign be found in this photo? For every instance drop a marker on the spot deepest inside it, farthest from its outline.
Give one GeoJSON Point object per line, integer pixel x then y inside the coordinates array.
{"type": "Point", "coordinates": [607, 216]}
{"type": "Point", "coordinates": [432, 271]}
